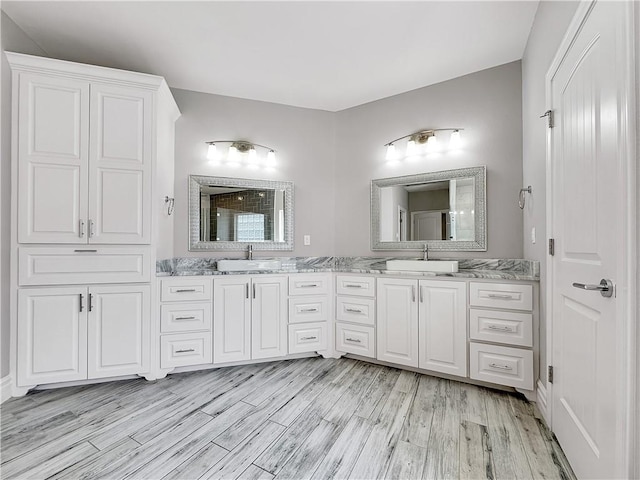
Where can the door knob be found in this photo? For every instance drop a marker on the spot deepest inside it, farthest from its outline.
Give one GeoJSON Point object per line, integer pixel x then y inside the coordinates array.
{"type": "Point", "coordinates": [605, 287]}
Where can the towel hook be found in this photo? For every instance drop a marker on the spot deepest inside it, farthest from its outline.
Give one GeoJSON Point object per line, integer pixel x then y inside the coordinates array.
{"type": "Point", "coordinates": [170, 201]}
{"type": "Point", "coordinates": [522, 196]}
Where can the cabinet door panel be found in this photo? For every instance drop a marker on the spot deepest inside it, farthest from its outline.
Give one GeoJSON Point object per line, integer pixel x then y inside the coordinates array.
{"type": "Point", "coordinates": [52, 335]}
{"type": "Point", "coordinates": [53, 151]}
{"type": "Point", "coordinates": [231, 320]}
{"type": "Point", "coordinates": [118, 330]}
{"type": "Point", "coordinates": [443, 327]}
{"type": "Point", "coordinates": [120, 164]}
{"type": "Point", "coordinates": [397, 309]}
{"type": "Point", "coordinates": [269, 318]}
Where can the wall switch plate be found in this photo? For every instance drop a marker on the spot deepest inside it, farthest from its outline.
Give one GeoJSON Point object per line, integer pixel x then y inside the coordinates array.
{"type": "Point", "coordinates": [307, 239]}
{"type": "Point", "coordinates": [533, 234]}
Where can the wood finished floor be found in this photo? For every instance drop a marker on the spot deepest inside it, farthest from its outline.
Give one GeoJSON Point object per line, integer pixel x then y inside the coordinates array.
{"type": "Point", "coordinates": [302, 419]}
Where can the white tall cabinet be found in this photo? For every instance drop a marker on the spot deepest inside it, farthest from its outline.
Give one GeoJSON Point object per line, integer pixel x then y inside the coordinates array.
{"type": "Point", "coordinates": [86, 209]}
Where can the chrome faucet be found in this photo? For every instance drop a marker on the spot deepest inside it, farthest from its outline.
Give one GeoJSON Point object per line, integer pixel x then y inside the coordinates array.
{"type": "Point", "coordinates": [250, 253]}
{"type": "Point", "coordinates": [425, 252]}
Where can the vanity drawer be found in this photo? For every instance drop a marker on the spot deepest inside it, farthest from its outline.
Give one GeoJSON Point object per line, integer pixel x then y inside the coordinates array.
{"type": "Point", "coordinates": [180, 289]}
{"type": "Point", "coordinates": [501, 327]}
{"type": "Point", "coordinates": [356, 339]}
{"type": "Point", "coordinates": [356, 310]}
{"type": "Point", "coordinates": [309, 284]}
{"type": "Point", "coordinates": [185, 317]}
{"type": "Point", "coordinates": [308, 309]}
{"type": "Point", "coordinates": [502, 365]}
{"type": "Point", "coordinates": [501, 295]}
{"type": "Point", "coordinates": [184, 349]}
{"type": "Point", "coordinates": [307, 337]}
{"type": "Point", "coordinates": [83, 265]}
{"type": "Point", "coordinates": [353, 285]}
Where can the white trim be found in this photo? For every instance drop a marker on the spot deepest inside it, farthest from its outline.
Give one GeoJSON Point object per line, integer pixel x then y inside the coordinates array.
{"type": "Point", "coordinates": [541, 401]}
{"type": "Point", "coordinates": [626, 381]}
{"type": "Point", "coordinates": [6, 388]}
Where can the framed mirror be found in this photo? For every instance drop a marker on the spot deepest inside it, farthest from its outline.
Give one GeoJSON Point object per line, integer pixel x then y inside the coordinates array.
{"type": "Point", "coordinates": [232, 213]}
{"type": "Point", "coordinates": [446, 210]}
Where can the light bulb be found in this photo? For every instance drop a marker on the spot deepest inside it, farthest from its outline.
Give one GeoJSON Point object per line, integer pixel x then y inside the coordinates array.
{"type": "Point", "coordinates": [456, 142]}
{"type": "Point", "coordinates": [212, 153]}
{"type": "Point", "coordinates": [253, 156]}
{"type": "Point", "coordinates": [411, 148]}
{"type": "Point", "coordinates": [233, 155]}
{"type": "Point", "coordinates": [391, 153]}
{"type": "Point", "coordinates": [432, 143]}
{"type": "Point", "coordinates": [271, 158]}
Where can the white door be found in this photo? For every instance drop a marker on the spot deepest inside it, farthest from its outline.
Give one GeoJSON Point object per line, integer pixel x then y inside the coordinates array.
{"type": "Point", "coordinates": [443, 327]}
{"type": "Point", "coordinates": [120, 165]}
{"type": "Point", "coordinates": [53, 151]}
{"type": "Point", "coordinates": [269, 317]}
{"type": "Point", "coordinates": [397, 311]}
{"type": "Point", "coordinates": [587, 210]}
{"type": "Point", "coordinates": [231, 319]}
{"type": "Point", "coordinates": [118, 330]}
{"type": "Point", "coordinates": [52, 335]}
{"type": "Point", "coordinates": [426, 226]}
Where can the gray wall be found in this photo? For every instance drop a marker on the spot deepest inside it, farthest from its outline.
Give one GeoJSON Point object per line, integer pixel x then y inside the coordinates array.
{"type": "Point", "coordinates": [305, 144]}
{"type": "Point", "coordinates": [13, 39]}
{"type": "Point", "coordinates": [549, 27]}
{"type": "Point", "coordinates": [487, 104]}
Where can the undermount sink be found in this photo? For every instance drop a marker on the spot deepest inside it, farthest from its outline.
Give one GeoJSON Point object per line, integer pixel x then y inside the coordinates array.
{"type": "Point", "coordinates": [437, 266]}
{"type": "Point", "coordinates": [248, 265]}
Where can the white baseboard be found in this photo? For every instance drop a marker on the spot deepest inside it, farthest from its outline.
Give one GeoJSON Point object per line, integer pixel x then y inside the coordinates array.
{"type": "Point", "coordinates": [6, 387]}
{"type": "Point", "coordinates": [542, 401]}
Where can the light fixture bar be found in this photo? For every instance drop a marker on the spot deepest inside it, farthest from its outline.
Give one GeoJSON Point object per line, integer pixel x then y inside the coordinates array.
{"type": "Point", "coordinates": [424, 133]}
{"type": "Point", "coordinates": [241, 142]}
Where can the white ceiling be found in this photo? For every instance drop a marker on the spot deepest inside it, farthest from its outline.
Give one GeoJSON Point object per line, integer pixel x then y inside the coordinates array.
{"type": "Point", "coordinates": [324, 55]}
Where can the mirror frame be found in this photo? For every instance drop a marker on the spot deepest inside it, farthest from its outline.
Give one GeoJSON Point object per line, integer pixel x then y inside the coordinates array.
{"type": "Point", "coordinates": [479, 174]}
{"type": "Point", "coordinates": [195, 244]}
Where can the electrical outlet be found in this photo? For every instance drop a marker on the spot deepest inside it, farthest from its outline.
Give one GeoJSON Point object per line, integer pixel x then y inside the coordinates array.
{"type": "Point", "coordinates": [533, 234]}
{"type": "Point", "coordinates": [307, 239]}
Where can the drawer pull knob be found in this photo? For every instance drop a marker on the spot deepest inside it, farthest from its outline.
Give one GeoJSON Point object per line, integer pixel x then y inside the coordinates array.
{"type": "Point", "coordinates": [353, 340]}
{"type": "Point", "coordinates": [306, 310]}
{"type": "Point", "coordinates": [185, 350]}
{"type": "Point", "coordinates": [309, 338]}
{"type": "Point", "coordinates": [308, 285]}
{"type": "Point", "coordinates": [185, 318]}
{"type": "Point", "coordinates": [86, 251]}
{"type": "Point", "coordinates": [504, 296]}
{"type": "Point", "coordinates": [500, 328]}
{"type": "Point", "coordinates": [502, 367]}
{"type": "Point", "coordinates": [352, 285]}
{"type": "Point", "coordinates": [185, 290]}
{"type": "Point", "coordinates": [353, 310]}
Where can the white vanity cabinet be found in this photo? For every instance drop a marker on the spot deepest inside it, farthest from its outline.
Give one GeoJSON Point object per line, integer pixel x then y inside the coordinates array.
{"type": "Point", "coordinates": [250, 317]}
{"type": "Point", "coordinates": [309, 312]}
{"type": "Point", "coordinates": [78, 333]}
{"type": "Point", "coordinates": [422, 323]}
{"type": "Point", "coordinates": [84, 161]}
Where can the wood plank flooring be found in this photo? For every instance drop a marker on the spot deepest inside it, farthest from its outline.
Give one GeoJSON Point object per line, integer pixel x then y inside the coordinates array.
{"type": "Point", "coordinates": [300, 419]}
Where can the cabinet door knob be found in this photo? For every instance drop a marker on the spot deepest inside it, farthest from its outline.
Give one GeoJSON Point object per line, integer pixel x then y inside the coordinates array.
{"type": "Point", "coordinates": [81, 233]}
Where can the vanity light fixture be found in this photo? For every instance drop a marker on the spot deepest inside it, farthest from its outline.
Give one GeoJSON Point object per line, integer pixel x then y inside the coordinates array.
{"type": "Point", "coordinates": [238, 151]}
{"type": "Point", "coordinates": [428, 138]}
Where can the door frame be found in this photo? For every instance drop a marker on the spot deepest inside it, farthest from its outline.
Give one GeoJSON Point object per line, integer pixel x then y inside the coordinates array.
{"type": "Point", "coordinates": [628, 358]}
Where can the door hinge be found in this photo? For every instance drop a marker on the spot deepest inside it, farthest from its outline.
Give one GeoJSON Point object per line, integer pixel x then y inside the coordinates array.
{"type": "Point", "coordinates": [549, 115]}
{"type": "Point", "coordinates": [552, 246]}
{"type": "Point", "coordinates": [550, 374]}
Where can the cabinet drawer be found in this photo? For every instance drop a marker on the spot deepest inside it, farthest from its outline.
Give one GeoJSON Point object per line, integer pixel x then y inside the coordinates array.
{"type": "Point", "coordinates": [308, 284]}
{"type": "Point", "coordinates": [307, 337]}
{"type": "Point", "coordinates": [184, 317]}
{"type": "Point", "coordinates": [356, 310]}
{"type": "Point", "coordinates": [180, 289]}
{"type": "Point", "coordinates": [183, 349]}
{"type": "Point", "coordinates": [502, 327]}
{"type": "Point", "coordinates": [308, 309]}
{"type": "Point", "coordinates": [356, 339]}
{"type": "Point", "coordinates": [501, 295]}
{"type": "Point", "coordinates": [353, 285]}
{"type": "Point", "coordinates": [501, 365]}
{"type": "Point", "coordinates": [83, 265]}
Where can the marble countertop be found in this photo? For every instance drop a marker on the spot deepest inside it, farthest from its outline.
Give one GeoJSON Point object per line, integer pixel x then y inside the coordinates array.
{"type": "Point", "coordinates": [497, 269]}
